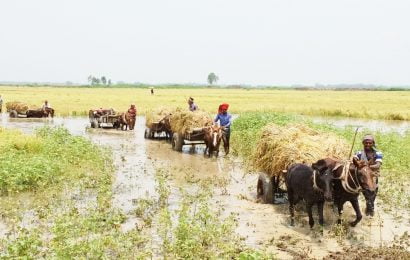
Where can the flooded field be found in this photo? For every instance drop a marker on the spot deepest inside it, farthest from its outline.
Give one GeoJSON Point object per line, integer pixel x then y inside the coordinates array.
{"type": "Point", "coordinates": [383, 126]}
{"type": "Point", "coordinates": [261, 225]}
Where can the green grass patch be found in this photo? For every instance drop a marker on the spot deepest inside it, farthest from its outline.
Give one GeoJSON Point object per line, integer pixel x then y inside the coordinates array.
{"type": "Point", "coordinates": [52, 155]}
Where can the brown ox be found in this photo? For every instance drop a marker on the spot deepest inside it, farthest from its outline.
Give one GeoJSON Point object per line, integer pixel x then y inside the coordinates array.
{"type": "Point", "coordinates": [126, 120]}
{"type": "Point", "coordinates": [349, 180]}
{"type": "Point", "coordinates": [212, 138]}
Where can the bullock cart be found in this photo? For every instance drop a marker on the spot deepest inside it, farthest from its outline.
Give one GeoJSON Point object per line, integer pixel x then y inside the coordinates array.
{"type": "Point", "coordinates": [104, 118]}
{"type": "Point", "coordinates": [279, 147]}
{"type": "Point", "coordinates": [158, 129]}
{"type": "Point", "coordinates": [188, 128]}
{"type": "Point", "coordinates": [22, 110]}
{"type": "Point", "coordinates": [193, 137]}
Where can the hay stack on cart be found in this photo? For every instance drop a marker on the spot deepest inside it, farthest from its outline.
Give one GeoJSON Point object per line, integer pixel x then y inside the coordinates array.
{"type": "Point", "coordinates": [187, 127]}
{"type": "Point", "coordinates": [281, 146]}
{"type": "Point", "coordinates": [18, 109]}
{"type": "Point", "coordinates": [17, 106]}
{"type": "Point", "coordinates": [157, 123]}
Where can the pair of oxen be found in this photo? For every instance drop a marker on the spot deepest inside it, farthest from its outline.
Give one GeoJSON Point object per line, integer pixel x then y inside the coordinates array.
{"type": "Point", "coordinates": [330, 180]}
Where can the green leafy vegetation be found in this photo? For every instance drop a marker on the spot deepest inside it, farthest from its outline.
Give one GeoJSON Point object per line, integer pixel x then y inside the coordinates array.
{"type": "Point", "coordinates": [51, 156]}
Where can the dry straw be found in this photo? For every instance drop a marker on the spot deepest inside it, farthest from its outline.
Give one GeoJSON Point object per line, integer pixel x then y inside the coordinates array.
{"type": "Point", "coordinates": [280, 146]}
{"type": "Point", "coordinates": [154, 116]}
{"type": "Point", "coordinates": [184, 121]}
{"type": "Point", "coordinates": [18, 106]}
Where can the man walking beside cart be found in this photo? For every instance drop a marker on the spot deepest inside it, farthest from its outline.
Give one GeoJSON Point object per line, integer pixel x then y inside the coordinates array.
{"type": "Point", "coordinates": [225, 120]}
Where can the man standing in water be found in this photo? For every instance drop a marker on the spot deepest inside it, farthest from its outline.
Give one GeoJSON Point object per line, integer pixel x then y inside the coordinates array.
{"type": "Point", "coordinates": [225, 120]}
{"type": "Point", "coordinates": [191, 105]}
{"type": "Point", "coordinates": [374, 158]}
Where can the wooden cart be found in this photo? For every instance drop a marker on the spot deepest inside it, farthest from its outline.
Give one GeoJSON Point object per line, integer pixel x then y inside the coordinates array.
{"type": "Point", "coordinates": [194, 137]}
{"type": "Point", "coordinates": [103, 118]}
{"type": "Point", "coordinates": [272, 189]}
{"type": "Point", "coordinates": [160, 129]}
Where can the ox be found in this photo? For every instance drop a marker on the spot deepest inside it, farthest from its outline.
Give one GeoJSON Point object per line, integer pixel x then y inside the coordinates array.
{"type": "Point", "coordinates": [212, 138]}
{"type": "Point", "coordinates": [312, 184]}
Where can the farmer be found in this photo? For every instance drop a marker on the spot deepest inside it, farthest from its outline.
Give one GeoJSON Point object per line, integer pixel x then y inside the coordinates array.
{"type": "Point", "coordinates": [225, 120]}
{"type": "Point", "coordinates": [132, 111]}
{"type": "Point", "coordinates": [1, 104]}
{"type": "Point", "coordinates": [45, 105]}
{"type": "Point", "coordinates": [191, 105]}
{"type": "Point", "coordinates": [374, 158]}
{"type": "Point", "coordinates": [152, 91]}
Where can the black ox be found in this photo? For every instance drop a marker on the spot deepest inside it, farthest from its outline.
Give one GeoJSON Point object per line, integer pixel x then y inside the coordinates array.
{"type": "Point", "coordinates": [312, 184]}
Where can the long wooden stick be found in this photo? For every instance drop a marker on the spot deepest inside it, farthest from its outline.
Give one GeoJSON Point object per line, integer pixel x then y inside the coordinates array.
{"type": "Point", "coordinates": [354, 139]}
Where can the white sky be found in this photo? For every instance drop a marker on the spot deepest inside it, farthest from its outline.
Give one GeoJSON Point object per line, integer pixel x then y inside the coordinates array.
{"type": "Point", "coordinates": [180, 41]}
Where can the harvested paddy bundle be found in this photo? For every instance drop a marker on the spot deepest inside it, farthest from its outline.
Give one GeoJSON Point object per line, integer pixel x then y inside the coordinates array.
{"type": "Point", "coordinates": [280, 146]}
{"type": "Point", "coordinates": [183, 121]}
{"type": "Point", "coordinates": [18, 106]}
{"type": "Point", "coordinates": [153, 116]}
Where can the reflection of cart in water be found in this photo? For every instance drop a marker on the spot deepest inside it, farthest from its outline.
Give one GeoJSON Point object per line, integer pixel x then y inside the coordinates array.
{"type": "Point", "coordinates": [193, 137]}
{"type": "Point", "coordinates": [104, 118]}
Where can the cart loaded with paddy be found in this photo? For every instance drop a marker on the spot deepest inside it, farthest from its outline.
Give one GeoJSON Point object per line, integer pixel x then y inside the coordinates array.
{"type": "Point", "coordinates": [281, 146]}
{"type": "Point", "coordinates": [157, 124]}
{"type": "Point", "coordinates": [188, 128]}
{"type": "Point", "coordinates": [21, 110]}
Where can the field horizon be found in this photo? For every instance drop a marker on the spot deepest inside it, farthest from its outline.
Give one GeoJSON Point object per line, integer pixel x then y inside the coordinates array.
{"type": "Point", "coordinates": [67, 101]}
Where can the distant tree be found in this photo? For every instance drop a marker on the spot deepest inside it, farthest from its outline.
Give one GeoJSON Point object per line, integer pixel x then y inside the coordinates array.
{"type": "Point", "coordinates": [95, 81]}
{"type": "Point", "coordinates": [109, 82]}
{"type": "Point", "coordinates": [90, 79]}
{"type": "Point", "coordinates": [103, 80]}
{"type": "Point", "coordinates": [212, 78]}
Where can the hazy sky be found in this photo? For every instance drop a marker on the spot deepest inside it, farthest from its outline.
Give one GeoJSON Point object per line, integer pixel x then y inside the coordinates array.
{"type": "Point", "coordinates": [180, 41]}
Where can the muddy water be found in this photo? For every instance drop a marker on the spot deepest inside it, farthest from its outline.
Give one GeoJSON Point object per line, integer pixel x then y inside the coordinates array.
{"type": "Point", "coordinates": [136, 160]}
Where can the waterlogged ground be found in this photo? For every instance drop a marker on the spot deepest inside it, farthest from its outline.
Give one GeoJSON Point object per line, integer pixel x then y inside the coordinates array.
{"type": "Point", "coordinates": [261, 226]}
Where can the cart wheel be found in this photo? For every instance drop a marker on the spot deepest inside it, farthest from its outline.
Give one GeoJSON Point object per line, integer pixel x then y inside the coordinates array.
{"type": "Point", "coordinates": [147, 133]}
{"type": "Point", "coordinates": [93, 124]}
{"type": "Point", "coordinates": [13, 114]}
{"type": "Point", "coordinates": [265, 189]}
{"type": "Point", "coordinates": [177, 142]}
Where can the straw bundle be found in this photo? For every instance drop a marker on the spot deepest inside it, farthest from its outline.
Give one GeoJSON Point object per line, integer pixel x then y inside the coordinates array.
{"type": "Point", "coordinates": [279, 147]}
{"type": "Point", "coordinates": [18, 106]}
{"type": "Point", "coordinates": [154, 116]}
{"type": "Point", "coordinates": [184, 121]}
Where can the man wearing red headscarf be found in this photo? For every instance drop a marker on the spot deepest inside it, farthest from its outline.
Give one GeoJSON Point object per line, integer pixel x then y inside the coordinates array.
{"type": "Point", "coordinates": [225, 120]}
